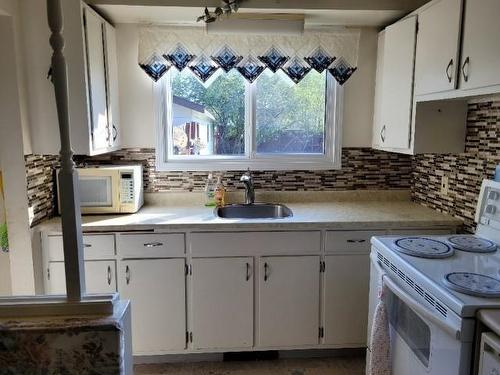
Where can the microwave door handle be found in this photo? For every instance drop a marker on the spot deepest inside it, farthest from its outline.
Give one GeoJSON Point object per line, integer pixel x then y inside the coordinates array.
{"type": "Point", "coordinates": [452, 329]}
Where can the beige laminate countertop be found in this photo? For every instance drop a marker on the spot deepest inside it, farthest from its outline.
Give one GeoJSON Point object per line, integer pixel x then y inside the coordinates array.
{"type": "Point", "coordinates": [355, 214]}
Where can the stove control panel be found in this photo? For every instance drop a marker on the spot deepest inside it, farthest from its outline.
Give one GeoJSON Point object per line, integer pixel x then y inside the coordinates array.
{"type": "Point", "coordinates": [488, 205]}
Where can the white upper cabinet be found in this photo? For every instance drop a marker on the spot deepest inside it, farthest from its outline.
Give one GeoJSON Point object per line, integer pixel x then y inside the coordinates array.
{"type": "Point", "coordinates": [112, 79]}
{"type": "Point", "coordinates": [438, 46]}
{"type": "Point", "coordinates": [90, 52]}
{"type": "Point", "coordinates": [377, 135]}
{"type": "Point", "coordinates": [397, 83]}
{"type": "Point", "coordinates": [96, 67]}
{"type": "Point", "coordinates": [480, 65]}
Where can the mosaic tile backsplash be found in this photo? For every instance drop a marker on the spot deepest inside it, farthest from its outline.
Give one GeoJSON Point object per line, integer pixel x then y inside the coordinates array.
{"type": "Point", "coordinates": [466, 170]}
{"type": "Point", "coordinates": [362, 168]}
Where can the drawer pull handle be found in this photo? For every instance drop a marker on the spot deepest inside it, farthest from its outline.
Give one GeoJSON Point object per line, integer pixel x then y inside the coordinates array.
{"type": "Point", "coordinates": [87, 245]}
{"type": "Point", "coordinates": [115, 133]}
{"type": "Point", "coordinates": [266, 268]}
{"type": "Point", "coordinates": [382, 134]}
{"type": "Point", "coordinates": [448, 73]}
{"type": "Point", "coordinates": [248, 271]}
{"type": "Point", "coordinates": [465, 69]}
{"type": "Point", "coordinates": [356, 241]}
{"type": "Point", "coordinates": [153, 244]}
{"type": "Point", "coordinates": [109, 275]}
{"type": "Point", "coordinates": [127, 275]}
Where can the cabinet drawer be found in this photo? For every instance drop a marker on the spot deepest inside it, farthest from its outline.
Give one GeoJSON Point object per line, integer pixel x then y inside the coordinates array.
{"type": "Point", "coordinates": [349, 241]}
{"type": "Point", "coordinates": [95, 246]}
{"type": "Point", "coordinates": [150, 245]}
{"type": "Point", "coordinates": [244, 243]}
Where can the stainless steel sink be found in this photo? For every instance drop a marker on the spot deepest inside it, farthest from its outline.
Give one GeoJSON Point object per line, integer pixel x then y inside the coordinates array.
{"type": "Point", "coordinates": [253, 211]}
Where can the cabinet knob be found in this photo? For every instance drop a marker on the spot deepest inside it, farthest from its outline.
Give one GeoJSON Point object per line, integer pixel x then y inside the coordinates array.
{"type": "Point", "coordinates": [448, 72]}
{"type": "Point", "coordinates": [465, 69]}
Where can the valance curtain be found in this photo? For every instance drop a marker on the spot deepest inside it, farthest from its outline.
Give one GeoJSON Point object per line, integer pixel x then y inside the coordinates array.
{"type": "Point", "coordinates": [334, 50]}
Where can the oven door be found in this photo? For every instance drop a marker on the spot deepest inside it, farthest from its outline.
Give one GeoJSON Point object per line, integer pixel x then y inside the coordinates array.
{"type": "Point", "coordinates": [99, 190]}
{"type": "Point", "coordinates": [423, 341]}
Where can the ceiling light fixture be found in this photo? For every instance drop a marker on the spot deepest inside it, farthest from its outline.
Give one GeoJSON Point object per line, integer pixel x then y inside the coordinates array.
{"type": "Point", "coordinates": [228, 7]}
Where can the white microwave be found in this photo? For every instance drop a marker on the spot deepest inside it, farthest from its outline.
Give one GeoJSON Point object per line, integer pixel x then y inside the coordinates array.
{"type": "Point", "coordinates": [110, 189]}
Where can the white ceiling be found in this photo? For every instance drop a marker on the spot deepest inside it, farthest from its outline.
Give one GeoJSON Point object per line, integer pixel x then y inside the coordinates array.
{"type": "Point", "coordinates": [187, 15]}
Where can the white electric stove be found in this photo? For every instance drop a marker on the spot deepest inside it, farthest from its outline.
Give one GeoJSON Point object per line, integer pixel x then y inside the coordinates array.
{"type": "Point", "coordinates": [434, 286]}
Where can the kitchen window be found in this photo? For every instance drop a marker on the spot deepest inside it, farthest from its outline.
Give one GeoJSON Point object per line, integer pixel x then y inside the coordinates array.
{"type": "Point", "coordinates": [231, 124]}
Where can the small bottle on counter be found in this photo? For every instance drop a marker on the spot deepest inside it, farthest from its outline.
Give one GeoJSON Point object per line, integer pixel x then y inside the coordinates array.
{"type": "Point", "coordinates": [220, 192]}
{"type": "Point", "coordinates": [210, 191]}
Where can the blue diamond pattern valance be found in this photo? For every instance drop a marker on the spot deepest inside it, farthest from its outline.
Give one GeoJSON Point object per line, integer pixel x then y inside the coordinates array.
{"type": "Point", "coordinates": [163, 47]}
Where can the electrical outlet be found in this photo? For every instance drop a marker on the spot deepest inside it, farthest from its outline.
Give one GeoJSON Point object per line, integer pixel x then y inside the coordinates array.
{"type": "Point", "coordinates": [445, 185]}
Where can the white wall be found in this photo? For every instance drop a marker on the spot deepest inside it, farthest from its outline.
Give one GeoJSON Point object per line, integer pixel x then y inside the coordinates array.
{"type": "Point", "coordinates": [136, 93]}
{"type": "Point", "coordinates": [359, 94]}
{"type": "Point", "coordinates": [12, 8]}
{"type": "Point", "coordinates": [12, 163]}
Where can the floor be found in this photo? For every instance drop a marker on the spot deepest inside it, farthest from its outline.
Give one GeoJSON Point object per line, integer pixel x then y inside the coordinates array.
{"type": "Point", "coordinates": [311, 366]}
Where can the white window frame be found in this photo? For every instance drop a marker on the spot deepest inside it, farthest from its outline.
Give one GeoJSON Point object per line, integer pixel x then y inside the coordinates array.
{"type": "Point", "coordinates": [331, 159]}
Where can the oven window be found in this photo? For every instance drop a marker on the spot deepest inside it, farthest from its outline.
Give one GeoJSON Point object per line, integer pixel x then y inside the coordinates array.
{"type": "Point", "coordinates": [95, 191]}
{"type": "Point", "coordinates": [410, 327]}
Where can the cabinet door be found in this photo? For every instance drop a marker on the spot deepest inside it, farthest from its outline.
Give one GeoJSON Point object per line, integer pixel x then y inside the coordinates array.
{"type": "Point", "coordinates": [96, 80]}
{"type": "Point", "coordinates": [345, 308]}
{"type": "Point", "coordinates": [377, 135]}
{"type": "Point", "coordinates": [100, 277]}
{"type": "Point", "coordinates": [397, 86]}
{"type": "Point", "coordinates": [480, 48]}
{"type": "Point", "coordinates": [288, 301]}
{"type": "Point", "coordinates": [112, 85]}
{"type": "Point", "coordinates": [156, 290]}
{"type": "Point", "coordinates": [222, 303]}
{"type": "Point", "coordinates": [438, 43]}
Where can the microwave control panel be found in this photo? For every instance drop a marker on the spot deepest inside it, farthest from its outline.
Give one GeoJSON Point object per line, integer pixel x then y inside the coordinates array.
{"type": "Point", "coordinates": [126, 187]}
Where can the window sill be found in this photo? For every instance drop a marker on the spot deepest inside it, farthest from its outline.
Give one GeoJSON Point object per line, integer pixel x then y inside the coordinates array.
{"type": "Point", "coordinates": [253, 164]}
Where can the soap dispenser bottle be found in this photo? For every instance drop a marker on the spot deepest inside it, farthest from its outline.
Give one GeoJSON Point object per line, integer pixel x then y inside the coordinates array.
{"type": "Point", "coordinates": [220, 193]}
{"type": "Point", "coordinates": [210, 191]}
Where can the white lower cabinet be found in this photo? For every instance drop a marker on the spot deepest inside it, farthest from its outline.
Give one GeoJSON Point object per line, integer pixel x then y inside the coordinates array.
{"type": "Point", "coordinates": [345, 296]}
{"type": "Point", "coordinates": [222, 303]}
{"type": "Point", "coordinates": [156, 289]}
{"type": "Point", "coordinates": [100, 277]}
{"type": "Point", "coordinates": [198, 292]}
{"type": "Point", "coordinates": [288, 301]}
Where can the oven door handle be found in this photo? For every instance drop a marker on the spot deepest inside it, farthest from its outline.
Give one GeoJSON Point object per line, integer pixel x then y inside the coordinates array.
{"type": "Point", "coordinates": [449, 327]}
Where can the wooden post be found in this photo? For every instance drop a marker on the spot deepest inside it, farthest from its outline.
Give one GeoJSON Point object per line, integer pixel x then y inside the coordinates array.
{"type": "Point", "coordinates": [68, 176]}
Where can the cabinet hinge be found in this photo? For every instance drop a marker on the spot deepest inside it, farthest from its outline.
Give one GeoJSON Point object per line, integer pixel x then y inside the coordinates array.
{"type": "Point", "coordinates": [322, 266]}
{"type": "Point", "coordinates": [190, 269]}
{"type": "Point", "coordinates": [321, 332]}
{"type": "Point", "coordinates": [186, 269]}
{"type": "Point", "coordinates": [191, 337]}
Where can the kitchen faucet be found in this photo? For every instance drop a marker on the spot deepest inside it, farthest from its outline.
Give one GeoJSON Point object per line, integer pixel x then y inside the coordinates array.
{"type": "Point", "coordinates": [249, 189]}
